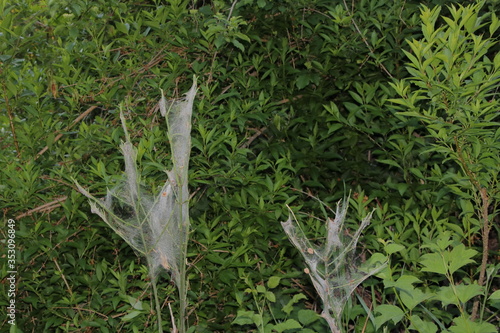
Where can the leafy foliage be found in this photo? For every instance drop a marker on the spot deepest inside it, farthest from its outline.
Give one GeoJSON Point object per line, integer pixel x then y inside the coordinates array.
{"type": "Point", "coordinates": [397, 105]}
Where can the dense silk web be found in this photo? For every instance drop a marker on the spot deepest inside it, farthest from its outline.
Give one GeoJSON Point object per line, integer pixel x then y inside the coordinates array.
{"type": "Point", "coordinates": [332, 267]}
{"type": "Point", "coordinates": [155, 226]}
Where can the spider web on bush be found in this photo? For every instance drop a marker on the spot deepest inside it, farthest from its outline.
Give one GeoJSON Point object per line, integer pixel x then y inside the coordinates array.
{"type": "Point", "coordinates": [332, 267]}
{"type": "Point", "coordinates": [155, 226]}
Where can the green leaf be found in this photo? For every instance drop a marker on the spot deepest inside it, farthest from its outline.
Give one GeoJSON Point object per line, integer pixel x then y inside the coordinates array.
{"type": "Point", "coordinates": [468, 291]}
{"type": "Point", "coordinates": [422, 326]}
{"type": "Point", "coordinates": [261, 289]}
{"type": "Point", "coordinates": [417, 173]}
{"type": "Point", "coordinates": [238, 44]}
{"type": "Point", "coordinates": [302, 81]}
{"type": "Point", "coordinates": [410, 296]}
{"type": "Point", "coordinates": [388, 312]}
{"type": "Point", "coordinates": [270, 296]}
{"type": "Point", "coordinates": [434, 262]}
{"type": "Point", "coordinates": [495, 24]}
{"type": "Point", "coordinates": [273, 282]}
{"type": "Point", "coordinates": [404, 282]}
{"type": "Point", "coordinates": [136, 303]}
{"type": "Point", "coordinates": [413, 297]}
{"type": "Point", "coordinates": [495, 295]}
{"type": "Point", "coordinates": [393, 248]}
{"type": "Point", "coordinates": [390, 162]}
{"type": "Point", "coordinates": [465, 325]}
{"type": "Point", "coordinates": [458, 294]}
{"type": "Point", "coordinates": [290, 324]}
{"type": "Point", "coordinates": [98, 272]}
{"type": "Point", "coordinates": [496, 61]}
{"type": "Point", "coordinates": [244, 318]}
{"type": "Point", "coordinates": [446, 296]}
{"type": "Point", "coordinates": [307, 317]}
{"type": "Point", "coordinates": [289, 306]}
{"type": "Point", "coordinates": [375, 262]}
{"type": "Point", "coordinates": [122, 27]}
{"type": "Point", "coordinates": [459, 257]}
{"type": "Point", "coordinates": [131, 315]}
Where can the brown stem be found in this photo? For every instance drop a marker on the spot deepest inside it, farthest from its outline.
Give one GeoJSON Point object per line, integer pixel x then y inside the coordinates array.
{"type": "Point", "coordinates": [58, 136]}
{"type": "Point", "coordinates": [372, 51]}
{"type": "Point", "coordinates": [485, 225]}
{"type": "Point", "coordinates": [485, 231]}
{"type": "Point", "coordinates": [48, 207]}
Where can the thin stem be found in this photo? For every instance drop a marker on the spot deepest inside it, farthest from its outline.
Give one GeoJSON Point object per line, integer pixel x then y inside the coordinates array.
{"type": "Point", "coordinates": [157, 302]}
{"type": "Point", "coordinates": [231, 10]}
{"type": "Point", "coordinates": [372, 51]}
{"type": "Point", "coordinates": [485, 228]}
{"type": "Point", "coordinates": [182, 293]}
{"type": "Point", "coordinates": [485, 225]}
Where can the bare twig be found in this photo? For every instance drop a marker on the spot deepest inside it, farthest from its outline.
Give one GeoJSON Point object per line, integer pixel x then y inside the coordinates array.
{"type": "Point", "coordinates": [172, 318]}
{"type": "Point", "coordinates": [66, 283]}
{"type": "Point", "coordinates": [49, 206]}
{"type": "Point", "coordinates": [485, 233]}
{"type": "Point", "coordinates": [231, 10]}
{"type": "Point", "coordinates": [258, 132]}
{"type": "Point", "coordinates": [372, 51]}
{"type": "Point", "coordinates": [82, 309]}
{"type": "Point", "coordinates": [80, 117]}
{"type": "Point", "coordinates": [485, 226]}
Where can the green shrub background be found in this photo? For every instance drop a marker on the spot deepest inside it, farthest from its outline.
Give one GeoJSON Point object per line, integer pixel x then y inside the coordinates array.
{"type": "Point", "coordinates": [296, 99]}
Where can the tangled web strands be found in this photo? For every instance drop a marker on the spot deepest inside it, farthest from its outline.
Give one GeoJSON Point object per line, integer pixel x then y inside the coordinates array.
{"type": "Point", "coordinates": [156, 227]}
{"type": "Point", "coordinates": [332, 267]}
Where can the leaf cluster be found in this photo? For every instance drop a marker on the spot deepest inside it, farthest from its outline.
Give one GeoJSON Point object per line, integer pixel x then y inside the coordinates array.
{"type": "Point", "coordinates": [314, 96]}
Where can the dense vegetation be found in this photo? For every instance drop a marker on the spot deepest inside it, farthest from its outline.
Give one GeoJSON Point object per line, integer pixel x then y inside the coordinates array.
{"type": "Point", "coordinates": [391, 102]}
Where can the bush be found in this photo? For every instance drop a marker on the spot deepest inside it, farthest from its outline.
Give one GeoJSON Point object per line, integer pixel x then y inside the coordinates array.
{"type": "Point", "coordinates": [294, 97]}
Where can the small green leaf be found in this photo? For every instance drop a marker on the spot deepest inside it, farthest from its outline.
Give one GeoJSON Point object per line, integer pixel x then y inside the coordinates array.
{"type": "Point", "coordinates": [273, 282]}
{"type": "Point", "coordinates": [413, 297]}
{"type": "Point", "coordinates": [466, 292]}
{"type": "Point", "coordinates": [422, 326]}
{"type": "Point", "coordinates": [459, 257]}
{"type": "Point", "coordinates": [290, 324]}
{"type": "Point", "coordinates": [131, 315]}
{"type": "Point", "coordinates": [446, 296]}
{"type": "Point", "coordinates": [123, 27]}
{"type": "Point", "coordinates": [393, 248]}
{"type": "Point", "coordinates": [390, 162]}
{"type": "Point", "coordinates": [404, 282]}
{"type": "Point", "coordinates": [98, 272]}
{"type": "Point", "coordinates": [495, 295]}
{"type": "Point", "coordinates": [388, 312]}
{"type": "Point", "coordinates": [244, 318]}
{"type": "Point", "coordinates": [238, 45]}
{"type": "Point", "coordinates": [463, 324]}
{"type": "Point", "coordinates": [307, 317]}
{"type": "Point", "coordinates": [434, 262]}
{"type": "Point", "coordinates": [136, 303]}
{"type": "Point", "coordinates": [50, 140]}
{"type": "Point", "coordinates": [261, 289]}
{"type": "Point", "coordinates": [410, 296]}
{"type": "Point", "coordinates": [270, 296]}
{"type": "Point", "coordinates": [302, 81]}
{"type": "Point", "coordinates": [417, 173]}
{"type": "Point", "coordinates": [289, 306]}
{"type": "Point", "coordinates": [495, 24]}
